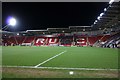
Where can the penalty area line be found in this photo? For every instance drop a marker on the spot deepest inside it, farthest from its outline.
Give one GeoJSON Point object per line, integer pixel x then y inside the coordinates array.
{"type": "Point", "coordinates": [50, 59]}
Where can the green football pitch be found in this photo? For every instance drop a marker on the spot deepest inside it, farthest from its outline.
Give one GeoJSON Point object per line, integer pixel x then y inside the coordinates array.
{"type": "Point", "coordinates": [57, 62]}
{"type": "Point", "coordinates": [65, 57]}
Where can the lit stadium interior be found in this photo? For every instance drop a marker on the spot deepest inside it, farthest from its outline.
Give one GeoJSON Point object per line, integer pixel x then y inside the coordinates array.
{"type": "Point", "coordinates": [70, 52]}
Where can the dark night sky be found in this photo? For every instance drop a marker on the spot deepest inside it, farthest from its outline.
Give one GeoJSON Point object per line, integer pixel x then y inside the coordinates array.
{"type": "Point", "coordinates": [39, 15]}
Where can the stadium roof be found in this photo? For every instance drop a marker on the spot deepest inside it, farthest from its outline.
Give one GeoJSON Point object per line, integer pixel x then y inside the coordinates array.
{"type": "Point", "coordinates": [110, 17]}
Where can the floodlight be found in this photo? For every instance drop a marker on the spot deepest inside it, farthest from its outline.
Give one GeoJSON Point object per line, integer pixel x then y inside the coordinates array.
{"type": "Point", "coordinates": [101, 14]}
{"type": "Point", "coordinates": [111, 1]}
{"type": "Point", "coordinates": [12, 21]}
{"type": "Point", "coordinates": [83, 29]}
{"type": "Point", "coordinates": [98, 17]}
{"type": "Point", "coordinates": [18, 34]}
{"type": "Point", "coordinates": [105, 9]}
{"type": "Point", "coordinates": [95, 20]}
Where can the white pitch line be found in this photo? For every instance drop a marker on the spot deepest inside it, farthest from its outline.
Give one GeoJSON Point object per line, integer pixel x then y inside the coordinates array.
{"type": "Point", "coordinates": [63, 68]}
{"type": "Point", "coordinates": [50, 59]}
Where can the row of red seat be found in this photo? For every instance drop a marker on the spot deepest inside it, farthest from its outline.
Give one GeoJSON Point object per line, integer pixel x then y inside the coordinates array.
{"type": "Point", "coordinates": [53, 40]}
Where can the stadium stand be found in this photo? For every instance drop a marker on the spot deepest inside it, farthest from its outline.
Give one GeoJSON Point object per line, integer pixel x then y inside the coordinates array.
{"type": "Point", "coordinates": [59, 40]}
{"type": "Point", "coordinates": [113, 42]}
{"type": "Point", "coordinates": [103, 33]}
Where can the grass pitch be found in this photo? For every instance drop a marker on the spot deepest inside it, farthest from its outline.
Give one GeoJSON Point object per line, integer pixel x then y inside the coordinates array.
{"type": "Point", "coordinates": [74, 57]}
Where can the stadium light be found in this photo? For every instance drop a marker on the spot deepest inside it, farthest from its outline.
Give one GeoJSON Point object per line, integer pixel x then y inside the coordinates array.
{"type": "Point", "coordinates": [105, 9]}
{"type": "Point", "coordinates": [98, 17]}
{"type": "Point", "coordinates": [63, 31]}
{"type": "Point", "coordinates": [95, 20]}
{"type": "Point", "coordinates": [10, 22]}
{"type": "Point", "coordinates": [111, 1]}
{"type": "Point", "coordinates": [18, 34]}
{"type": "Point", "coordinates": [83, 29]}
{"type": "Point", "coordinates": [101, 14]}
